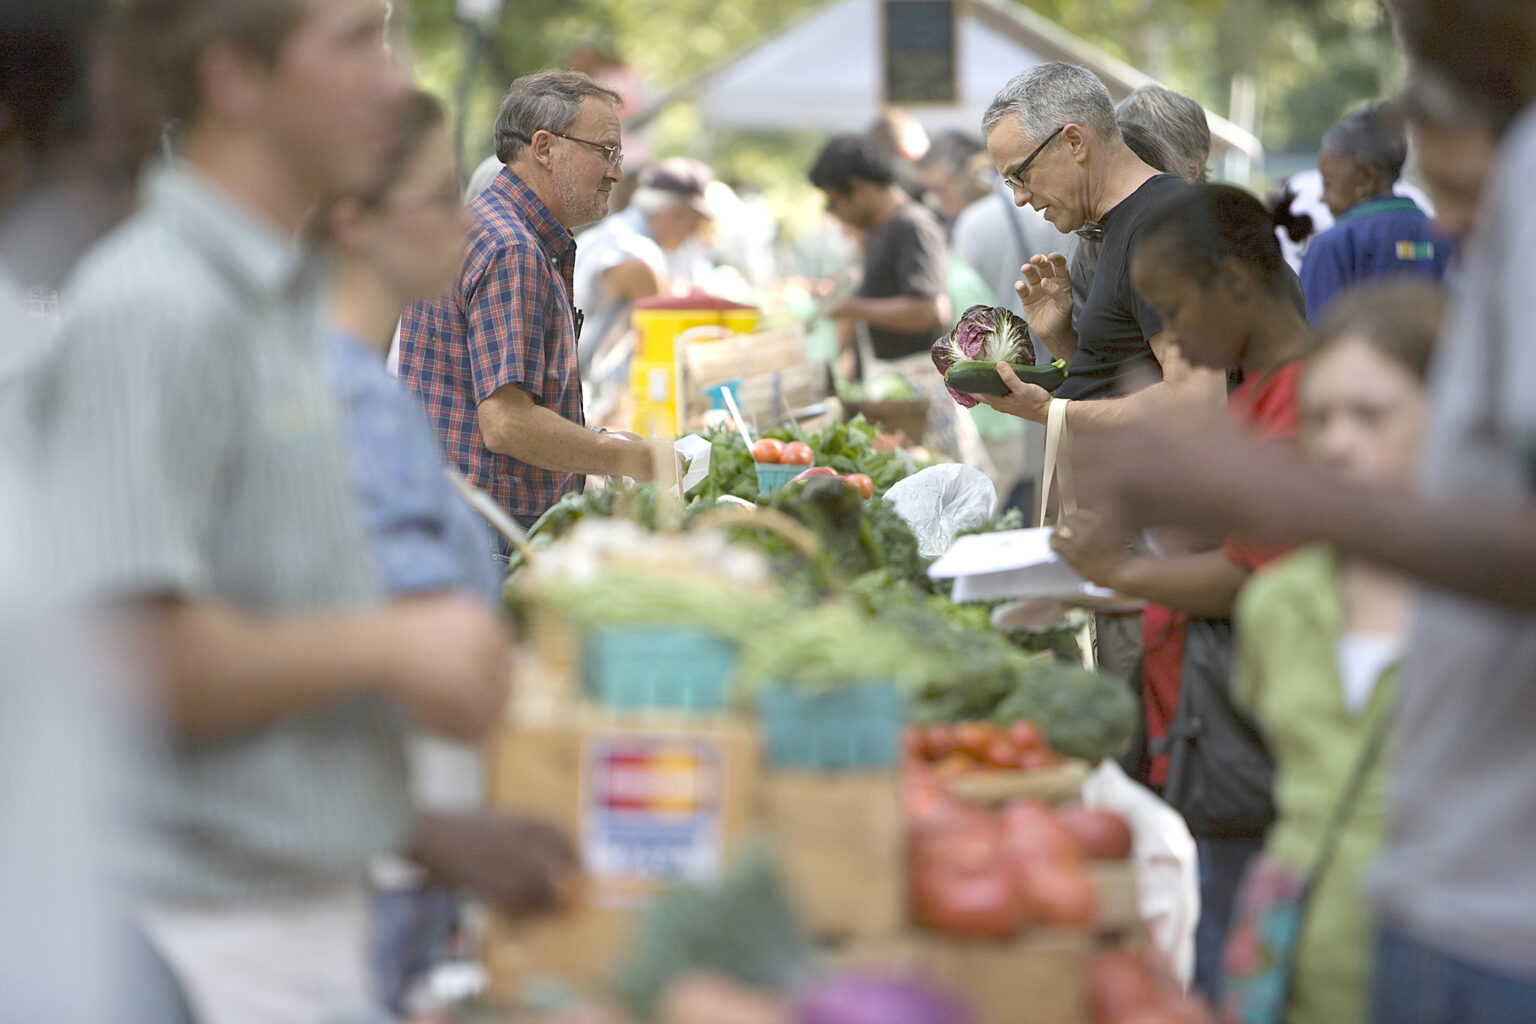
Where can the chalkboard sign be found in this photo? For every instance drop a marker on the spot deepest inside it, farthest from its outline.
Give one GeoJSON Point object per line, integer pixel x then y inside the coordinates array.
{"type": "Point", "coordinates": [919, 51]}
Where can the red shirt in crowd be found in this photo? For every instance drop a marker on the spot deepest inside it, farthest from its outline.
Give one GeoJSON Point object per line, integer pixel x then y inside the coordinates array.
{"type": "Point", "coordinates": [1265, 406]}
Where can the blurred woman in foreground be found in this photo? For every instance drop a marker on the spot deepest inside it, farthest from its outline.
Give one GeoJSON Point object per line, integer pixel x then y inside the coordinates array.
{"type": "Point", "coordinates": [1319, 639]}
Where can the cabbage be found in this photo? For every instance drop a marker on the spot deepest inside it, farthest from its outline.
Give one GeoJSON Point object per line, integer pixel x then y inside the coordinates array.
{"type": "Point", "coordinates": [989, 334]}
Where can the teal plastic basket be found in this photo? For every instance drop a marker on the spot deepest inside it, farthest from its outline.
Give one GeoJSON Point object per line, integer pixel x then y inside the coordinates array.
{"type": "Point", "coordinates": [771, 476]}
{"type": "Point", "coordinates": [677, 667]}
{"type": "Point", "coordinates": [852, 728]}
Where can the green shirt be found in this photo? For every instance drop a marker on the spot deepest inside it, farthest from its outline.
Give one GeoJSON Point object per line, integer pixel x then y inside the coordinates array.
{"type": "Point", "coordinates": [1289, 621]}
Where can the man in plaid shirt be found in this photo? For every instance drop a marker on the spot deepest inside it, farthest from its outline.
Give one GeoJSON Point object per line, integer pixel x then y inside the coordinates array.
{"type": "Point", "coordinates": [494, 361]}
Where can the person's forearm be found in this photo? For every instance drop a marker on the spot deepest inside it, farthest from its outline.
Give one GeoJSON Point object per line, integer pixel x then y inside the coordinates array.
{"type": "Point", "coordinates": [1206, 584]}
{"type": "Point", "coordinates": [431, 842]}
{"type": "Point", "coordinates": [1484, 550]}
{"type": "Point", "coordinates": [225, 670]}
{"type": "Point", "coordinates": [1202, 387]}
{"type": "Point", "coordinates": [910, 314]}
{"type": "Point", "coordinates": [1061, 344]}
{"type": "Point", "coordinates": [542, 437]}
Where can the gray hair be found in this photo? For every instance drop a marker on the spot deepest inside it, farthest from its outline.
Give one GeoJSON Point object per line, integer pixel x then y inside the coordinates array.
{"type": "Point", "coordinates": [1177, 121]}
{"type": "Point", "coordinates": [1048, 96]}
{"type": "Point", "coordinates": [1373, 134]}
{"type": "Point", "coordinates": [548, 101]}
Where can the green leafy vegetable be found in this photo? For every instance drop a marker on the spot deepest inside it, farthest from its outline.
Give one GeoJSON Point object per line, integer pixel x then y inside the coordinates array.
{"type": "Point", "coordinates": [743, 927]}
{"type": "Point", "coordinates": [1085, 713]}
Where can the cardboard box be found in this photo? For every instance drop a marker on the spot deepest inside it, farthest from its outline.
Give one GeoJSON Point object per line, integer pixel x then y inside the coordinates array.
{"type": "Point", "coordinates": [1040, 977]}
{"type": "Point", "coordinates": [1119, 910]}
{"type": "Point", "coordinates": [647, 802]}
{"type": "Point", "coordinates": [841, 844]}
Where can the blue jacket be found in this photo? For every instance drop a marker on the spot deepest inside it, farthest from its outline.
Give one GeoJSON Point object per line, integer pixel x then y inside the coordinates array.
{"type": "Point", "coordinates": [1377, 239]}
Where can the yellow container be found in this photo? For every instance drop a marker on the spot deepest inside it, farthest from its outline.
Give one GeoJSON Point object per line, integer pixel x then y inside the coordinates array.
{"type": "Point", "coordinates": [654, 385]}
{"type": "Point", "coordinates": [659, 326]}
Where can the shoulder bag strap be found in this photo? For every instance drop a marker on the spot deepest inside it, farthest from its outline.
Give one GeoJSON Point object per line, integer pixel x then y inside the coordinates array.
{"type": "Point", "coordinates": [1052, 471]}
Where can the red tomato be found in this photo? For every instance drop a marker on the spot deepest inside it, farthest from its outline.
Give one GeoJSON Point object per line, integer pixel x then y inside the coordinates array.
{"type": "Point", "coordinates": [1121, 985]}
{"type": "Point", "coordinates": [862, 481]}
{"type": "Point", "coordinates": [813, 473]}
{"type": "Point", "coordinates": [1002, 752]}
{"type": "Point", "coordinates": [768, 449]}
{"type": "Point", "coordinates": [1102, 835]}
{"type": "Point", "coordinates": [1027, 734]}
{"type": "Point", "coordinates": [974, 738]}
{"type": "Point", "coordinates": [1032, 832]}
{"type": "Point", "coordinates": [969, 839]}
{"type": "Point", "coordinates": [929, 805]}
{"type": "Point", "coordinates": [941, 740]}
{"type": "Point", "coordinates": [961, 885]}
{"type": "Point", "coordinates": [1060, 893]}
{"type": "Point", "coordinates": [797, 453]}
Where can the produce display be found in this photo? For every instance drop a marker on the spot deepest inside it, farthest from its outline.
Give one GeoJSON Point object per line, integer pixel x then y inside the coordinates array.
{"type": "Point", "coordinates": [743, 927]}
{"type": "Point", "coordinates": [857, 537]}
{"type": "Point", "coordinates": [984, 336]}
{"type": "Point", "coordinates": [972, 672]}
{"type": "Point", "coordinates": [826, 647]}
{"type": "Point", "coordinates": [976, 873]}
{"type": "Point", "coordinates": [953, 748]}
{"type": "Point", "coordinates": [846, 448]}
{"type": "Point", "coordinates": [1129, 987]}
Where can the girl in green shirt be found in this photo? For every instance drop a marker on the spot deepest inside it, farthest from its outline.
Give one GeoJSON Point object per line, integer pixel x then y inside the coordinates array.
{"type": "Point", "coordinates": [1318, 641]}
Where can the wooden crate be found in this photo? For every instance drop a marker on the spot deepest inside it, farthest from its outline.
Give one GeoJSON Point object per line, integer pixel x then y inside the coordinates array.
{"type": "Point", "coordinates": [1041, 977]}
{"type": "Point", "coordinates": [643, 800]}
{"type": "Point", "coordinates": [840, 842]}
{"type": "Point", "coordinates": [1119, 911]}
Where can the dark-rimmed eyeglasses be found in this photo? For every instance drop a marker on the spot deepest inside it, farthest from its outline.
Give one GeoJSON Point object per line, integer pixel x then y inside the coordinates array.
{"type": "Point", "coordinates": [1014, 176]}
{"type": "Point", "coordinates": [614, 154]}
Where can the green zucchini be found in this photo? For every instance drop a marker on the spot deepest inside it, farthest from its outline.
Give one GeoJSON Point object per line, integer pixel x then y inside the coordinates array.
{"type": "Point", "coordinates": [974, 377]}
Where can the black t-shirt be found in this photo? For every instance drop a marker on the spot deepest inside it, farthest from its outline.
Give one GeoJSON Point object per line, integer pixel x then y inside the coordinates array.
{"type": "Point", "coordinates": [1116, 323]}
{"type": "Point", "coordinates": [907, 255]}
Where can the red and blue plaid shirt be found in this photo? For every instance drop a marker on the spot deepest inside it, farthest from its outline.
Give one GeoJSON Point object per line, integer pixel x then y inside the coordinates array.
{"type": "Point", "coordinates": [508, 320]}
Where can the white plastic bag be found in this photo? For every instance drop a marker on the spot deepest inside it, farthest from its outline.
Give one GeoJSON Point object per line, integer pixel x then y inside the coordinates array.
{"type": "Point", "coordinates": [695, 452]}
{"type": "Point", "coordinates": [1163, 857]}
{"type": "Point", "coordinates": [940, 501]}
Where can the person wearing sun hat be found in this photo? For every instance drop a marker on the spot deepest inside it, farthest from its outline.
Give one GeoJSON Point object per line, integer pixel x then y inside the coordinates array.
{"type": "Point", "coordinates": [644, 250]}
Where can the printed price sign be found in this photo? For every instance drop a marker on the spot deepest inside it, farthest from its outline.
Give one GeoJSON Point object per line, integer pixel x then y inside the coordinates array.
{"type": "Point", "coordinates": [651, 811]}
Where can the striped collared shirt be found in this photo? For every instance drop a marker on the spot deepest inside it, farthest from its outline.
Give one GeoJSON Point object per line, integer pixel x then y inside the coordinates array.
{"type": "Point", "coordinates": [508, 320]}
{"type": "Point", "coordinates": [194, 445]}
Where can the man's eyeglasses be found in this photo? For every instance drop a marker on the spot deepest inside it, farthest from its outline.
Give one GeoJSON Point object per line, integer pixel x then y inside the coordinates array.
{"type": "Point", "coordinates": [613, 154]}
{"type": "Point", "coordinates": [1014, 176]}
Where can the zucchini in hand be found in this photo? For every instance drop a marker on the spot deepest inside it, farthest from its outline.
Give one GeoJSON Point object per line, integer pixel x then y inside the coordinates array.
{"type": "Point", "coordinates": [974, 377]}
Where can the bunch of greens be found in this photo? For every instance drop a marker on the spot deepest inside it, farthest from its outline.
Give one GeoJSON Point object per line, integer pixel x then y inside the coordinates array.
{"type": "Point", "coordinates": [968, 671]}
{"type": "Point", "coordinates": [620, 597]}
{"type": "Point", "coordinates": [856, 536]}
{"type": "Point", "coordinates": [635, 501]}
{"type": "Point", "coordinates": [1085, 713]}
{"type": "Point", "coordinates": [827, 646]}
{"type": "Point", "coordinates": [742, 927]}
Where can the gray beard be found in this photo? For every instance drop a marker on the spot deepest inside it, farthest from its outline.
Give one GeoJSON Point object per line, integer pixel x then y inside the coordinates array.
{"type": "Point", "coordinates": [582, 209]}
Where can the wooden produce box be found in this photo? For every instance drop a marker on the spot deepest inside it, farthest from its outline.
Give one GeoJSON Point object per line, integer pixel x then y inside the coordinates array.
{"type": "Point", "coordinates": [1041, 977]}
{"type": "Point", "coordinates": [1119, 909]}
{"type": "Point", "coordinates": [840, 842]}
{"type": "Point", "coordinates": [647, 803]}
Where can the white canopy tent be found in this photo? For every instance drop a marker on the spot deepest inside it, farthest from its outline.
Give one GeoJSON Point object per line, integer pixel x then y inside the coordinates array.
{"type": "Point", "coordinates": [825, 71]}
